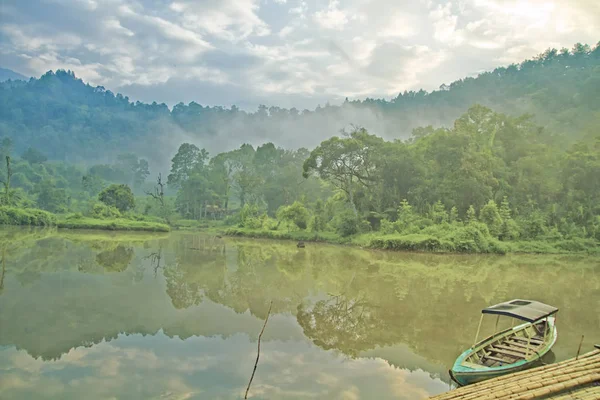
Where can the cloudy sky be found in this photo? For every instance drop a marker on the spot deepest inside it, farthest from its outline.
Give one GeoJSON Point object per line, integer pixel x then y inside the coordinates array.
{"type": "Point", "coordinates": [285, 52]}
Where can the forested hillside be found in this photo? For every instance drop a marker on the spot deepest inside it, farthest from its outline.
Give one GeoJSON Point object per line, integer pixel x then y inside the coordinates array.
{"type": "Point", "coordinates": [71, 120]}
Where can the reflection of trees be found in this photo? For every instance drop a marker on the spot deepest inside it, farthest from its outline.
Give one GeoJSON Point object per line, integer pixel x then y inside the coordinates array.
{"type": "Point", "coordinates": [197, 271]}
{"type": "Point", "coordinates": [348, 325]}
{"type": "Point", "coordinates": [115, 260]}
{"type": "Point", "coordinates": [3, 269]}
{"type": "Point", "coordinates": [155, 260]}
{"type": "Point", "coordinates": [343, 298]}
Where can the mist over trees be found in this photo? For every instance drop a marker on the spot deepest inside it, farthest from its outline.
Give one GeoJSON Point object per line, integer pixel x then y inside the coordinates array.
{"type": "Point", "coordinates": [76, 122]}
{"type": "Point", "coordinates": [485, 179]}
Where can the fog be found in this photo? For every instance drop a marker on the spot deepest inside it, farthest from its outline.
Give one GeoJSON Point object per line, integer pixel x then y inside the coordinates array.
{"type": "Point", "coordinates": [227, 130]}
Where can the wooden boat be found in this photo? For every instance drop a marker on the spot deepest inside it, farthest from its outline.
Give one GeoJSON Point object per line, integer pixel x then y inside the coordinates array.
{"type": "Point", "coordinates": [510, 350]}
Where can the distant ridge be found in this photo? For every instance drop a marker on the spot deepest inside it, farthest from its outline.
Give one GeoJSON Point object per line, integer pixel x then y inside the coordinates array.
{"type": "Point", "coordinates": [72, 120]}
{"type": "Point", "coordinates": [6, 74]}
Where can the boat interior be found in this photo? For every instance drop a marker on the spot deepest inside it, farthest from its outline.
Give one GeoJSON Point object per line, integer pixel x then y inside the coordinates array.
{"type": "Point", "coordinates": [513, 346]}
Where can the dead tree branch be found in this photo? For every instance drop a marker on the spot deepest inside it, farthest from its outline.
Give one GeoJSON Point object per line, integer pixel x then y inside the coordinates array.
{"type": "Point", "coordinates": [258, 353]}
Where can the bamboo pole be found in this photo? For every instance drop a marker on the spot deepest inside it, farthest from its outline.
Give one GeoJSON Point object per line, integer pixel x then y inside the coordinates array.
{"type": "Point", "coordinates": [579, 349]}
{"type": "Point", "coordinates": [478, 329]}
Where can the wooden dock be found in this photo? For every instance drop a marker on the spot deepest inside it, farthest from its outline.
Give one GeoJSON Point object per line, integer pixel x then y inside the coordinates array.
{"type": "Point", "coordinates": [570, 379]}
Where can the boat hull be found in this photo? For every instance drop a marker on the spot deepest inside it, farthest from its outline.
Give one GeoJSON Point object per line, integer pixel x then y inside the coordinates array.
{"type": "Point", "coordinates": [465, 373]}
{"type": "Point", "coordinates": [464, 378]}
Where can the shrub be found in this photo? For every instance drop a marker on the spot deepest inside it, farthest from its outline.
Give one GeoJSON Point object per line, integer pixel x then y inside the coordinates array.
{"type": "Point", "coordinates": [491, 217]}
{"type": "Point", "coordinates": [386, 227]}
{"type": "Point", "coordinates": [296, 214]}
{"type": "Point", "coordinates": [76, 215]}
{"type": "Point", "coordinates": [346, 223]}
{"type": "Point", "coordinates": [247, 213]}
{"type": "Point", "coordinates": [26, 216]}
{"type": "Point", "coordinates": [413, 242]}
{"type": "Point", "coordinates": [103, 211]}
{"type": "Point", "coordinates": [119, 196]}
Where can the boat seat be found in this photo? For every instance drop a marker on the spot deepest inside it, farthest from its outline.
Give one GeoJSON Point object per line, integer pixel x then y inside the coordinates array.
{"type": "Point", "coordinates": [507, 352]}
{"type": "Point", "coordinates": [511, 348]}
{"type": "Point", "coordinates": [513, 344]}
{"type": "Point", "coordinates": [501, 360]}
{"type": "Point", "coordinates": [531, 340]}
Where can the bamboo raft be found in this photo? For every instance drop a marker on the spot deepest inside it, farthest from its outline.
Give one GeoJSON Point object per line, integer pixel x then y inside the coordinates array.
{"type": "Point", "coordinates": [576, 378]}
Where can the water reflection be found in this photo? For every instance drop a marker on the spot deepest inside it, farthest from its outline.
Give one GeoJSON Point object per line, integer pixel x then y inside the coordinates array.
{"type": "Point", "coordinates": [355, 323]}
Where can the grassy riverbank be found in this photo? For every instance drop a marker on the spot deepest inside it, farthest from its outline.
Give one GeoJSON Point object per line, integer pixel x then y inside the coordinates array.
{"type": "Point", "coordinates": [119, 224]}
{"type": "Point", "coordinates": [35, 217]}
{"type": "Point", "coordinates": [427, 242]}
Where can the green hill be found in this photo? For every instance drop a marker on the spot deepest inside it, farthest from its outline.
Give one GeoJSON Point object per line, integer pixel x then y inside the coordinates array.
{"type": "Point", "coordinates": [71, 120]}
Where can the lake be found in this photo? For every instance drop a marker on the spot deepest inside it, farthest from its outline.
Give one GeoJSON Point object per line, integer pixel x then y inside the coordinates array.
{"type": "Point", "coordinates": [99, 315]}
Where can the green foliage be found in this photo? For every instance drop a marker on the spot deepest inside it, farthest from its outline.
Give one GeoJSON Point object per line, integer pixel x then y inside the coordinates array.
{"type": "Point", "coordinates": [24, 216]}
{"type": "Point", "coordinates": [295, 213]}
{"type": "Point", "coordinates": [102, 211]}
{"type": "Point", "coordinates": [412, 242]}
{"type": "Point", "coordinates": [407, 218]}
{"type": "Point", "coordinates": [453, 217]}
{"type": "Point", "coordinates": [118, 224]}
{"type": "Point", "coordinates": [119, 196]}
{"type": "Point", "coordinates": [318, 221]}
{"type": "Point", "coordinates": [34, 156]}
{"type": "Point", "coordinates": [471, 216]}
{"type": "Point", "coordinates": [438, 213]}
{"type": "Point", "coordinates": [490, 216]}
{"type": "Point", "coordinates": [533, 225]}
{"type": "Point", "coordinates": [51, 198]}
{"type": "Point", "coordinates": [347, 223]}
{"type": "Point", "coordinates": [250, 217]}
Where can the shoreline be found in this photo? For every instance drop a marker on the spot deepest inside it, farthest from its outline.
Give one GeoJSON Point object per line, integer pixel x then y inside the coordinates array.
{"type": "Point", "coordinates": [378, 242]}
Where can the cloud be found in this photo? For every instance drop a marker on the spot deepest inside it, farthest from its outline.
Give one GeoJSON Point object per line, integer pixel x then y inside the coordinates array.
{"type": "Point", "coordinates": [293, 53]}
{"type": "Point", "coordinates": [155, 366]}
{"type": "Point", "coordinates": [331, 17]}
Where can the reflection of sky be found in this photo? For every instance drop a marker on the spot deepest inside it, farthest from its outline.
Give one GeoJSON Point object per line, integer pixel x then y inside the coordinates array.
{"type": "Point", "coordinates": [145, 367]}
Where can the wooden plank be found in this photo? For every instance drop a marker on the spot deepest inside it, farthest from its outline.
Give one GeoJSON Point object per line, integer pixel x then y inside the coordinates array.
{"type": "Point", "coordinates": [532, 340]}
{"type": "Point", "coordinates": [507, 352]}
{"type": "Point", "coordinates": [511, 348]}
{"type": "Point", "coordinates": [524, 346]}
{"type": "Point", "coordinates": [503, 361]}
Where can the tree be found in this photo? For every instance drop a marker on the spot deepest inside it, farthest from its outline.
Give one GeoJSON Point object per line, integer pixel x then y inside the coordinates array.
{"type": "Point", "coordinates": [92, 184]}
{"type": "Point", "coordinates": [6, 182]}
{"type": "Point", "coordinates": [318, 221]}
{"type": "Point", "coordinates": [346, 162]}
{"type": "Point", "coordinates": [296, 214]}
{"type": "Point", "coordinates": [119, 196]}
{"type": "Point", "coordinates": [158, 195]}
{"type": "Point", "coordinates": [51, 198]}
{"type": "Point", "coordinates": [471, 216]}
{"type": "Point", "coordinates": [188, 157]}
{"type": "Point", "coordinates": [510, 229]}
{"type": "Point", "coordinates": [34, 156]}
{"type": "Point", "coordinates": [491, 217]}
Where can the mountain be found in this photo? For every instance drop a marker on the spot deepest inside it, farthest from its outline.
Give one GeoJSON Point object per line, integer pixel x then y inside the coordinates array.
{"type": "Point", "coordinates": [6, 74]}
{"type": "Point", "coordinates": [71, 120]}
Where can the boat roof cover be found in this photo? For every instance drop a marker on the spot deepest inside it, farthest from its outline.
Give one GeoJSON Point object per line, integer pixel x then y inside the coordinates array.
{"type": "Point", "coordinates": [526, 310]}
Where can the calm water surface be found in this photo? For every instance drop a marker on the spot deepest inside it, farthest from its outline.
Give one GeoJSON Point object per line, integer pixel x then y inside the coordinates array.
{"type": "Point", "coordinates": [136, 316]}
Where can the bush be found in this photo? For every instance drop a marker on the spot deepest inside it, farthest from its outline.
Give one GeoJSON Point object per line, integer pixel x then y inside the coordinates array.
{"type": "Point", "coordinates": [76, 215]}
{"type": "Point", "coordinates": [102, 211]}
{"type": "Point", "coordinates": [346, 223]}
{"type": "Point", "coordinates": [386, 227]}
{"type": "Point", "coordinates": [248, 215]}
{"type": "Point", "coordinates": [26, 216]}
{"type": "Point", "coordinates": [113, 225]}
{"type": "Point", "coordinates": [119, 196]}
{"type": "Point", "coordinates": [413, 242]}
{"type": "Point", "coordinates": [295, 213]}
{"type": "Point", "coordinates": [576, 245]}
